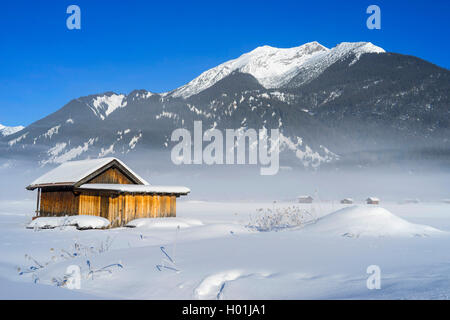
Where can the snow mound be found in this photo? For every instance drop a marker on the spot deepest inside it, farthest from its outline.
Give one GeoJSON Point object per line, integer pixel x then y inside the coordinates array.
{"type": "Point", "coordinates": [163, 223]}
{"type": "Point", "coordinates": [211, 287]}
{"type": "Point", "coordinates": [46, 223]}
{"type": "Point", "coordinates": [88, 222]}
{"type": "Point", "coordinates": [81, 222]}
{"type": "Point", "coordinates": [359, 221]}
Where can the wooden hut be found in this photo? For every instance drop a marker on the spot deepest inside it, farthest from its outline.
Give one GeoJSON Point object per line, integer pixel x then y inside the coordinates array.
{"type": "Point", "coordinates": [305, 199]}
{"type": "Point", "coordinates": [372, 200]}
{"type": "Point", "coordinates": [347, 201]}
{"type": "Point", "coordinates": [103, 187]}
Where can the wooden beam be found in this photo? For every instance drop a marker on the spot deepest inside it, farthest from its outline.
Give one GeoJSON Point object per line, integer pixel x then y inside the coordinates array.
{"type": "Point", "coordinates": [38, 202]}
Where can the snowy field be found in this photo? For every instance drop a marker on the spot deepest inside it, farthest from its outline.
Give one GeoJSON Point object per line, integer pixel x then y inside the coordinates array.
{"type": "Point", "coordinates": [226, 250]}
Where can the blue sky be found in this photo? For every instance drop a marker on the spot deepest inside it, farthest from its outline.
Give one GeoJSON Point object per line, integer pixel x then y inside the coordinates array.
{"type": "Point", "coordinates": [161, 45]}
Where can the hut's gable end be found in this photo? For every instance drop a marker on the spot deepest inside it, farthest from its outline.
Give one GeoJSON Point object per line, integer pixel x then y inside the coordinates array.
{"type": "Point", "coordinates": [111, 176]}
{"type": "Point", "coordinates": [113, 173]}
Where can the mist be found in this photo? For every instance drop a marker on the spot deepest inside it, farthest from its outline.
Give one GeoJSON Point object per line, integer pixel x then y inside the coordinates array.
{"type": "Point", "coordinates": [245, 183]}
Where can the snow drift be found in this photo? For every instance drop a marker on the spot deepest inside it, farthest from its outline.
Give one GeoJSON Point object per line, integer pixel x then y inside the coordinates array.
{"type": "Point", "coordinates": [80, 222]}
{"type": "Point", "coordinates": [359, 221]}
{"type": "Point", "coordinates": [163, 223]}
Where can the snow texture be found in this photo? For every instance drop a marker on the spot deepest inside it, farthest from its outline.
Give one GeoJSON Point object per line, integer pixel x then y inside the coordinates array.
{"type": "Point", "coordinates": [219, 258]}
{"type": "Point", "coordinates": [169, 223]}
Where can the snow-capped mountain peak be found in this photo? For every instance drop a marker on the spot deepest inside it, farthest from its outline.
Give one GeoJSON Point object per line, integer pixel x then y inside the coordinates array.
{"type": "Point", "coordinates": [6, 131]}
{"type": "Point", "coordinates": [275, 67]}
{"type": "Point", "coordinates": [317, 64]}
{"type": "Point", "coordinates": [357, 48]}
{"type": "Point", "coordinates": [360, 46]}
{"type": "Point", "coordinates": [271, 66]}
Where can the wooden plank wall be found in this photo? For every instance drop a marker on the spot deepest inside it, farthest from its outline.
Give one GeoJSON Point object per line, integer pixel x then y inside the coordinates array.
{"type": "Point", "coordinates": [111, 176]}
{"type": "Point", "coordinates": [119, 209]}
{"type": "Point", "coordinates": [115, 211]}
{"type": "Point", "coordinates": [124, 208]}
{"type": "Point", "coordinates": [90, 204]}
{"type": "Point", "coordinates": [58, 203]}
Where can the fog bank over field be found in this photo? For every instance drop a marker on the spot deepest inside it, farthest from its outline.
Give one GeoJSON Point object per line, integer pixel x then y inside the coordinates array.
{"type": "Point", "coordinates": [244, 182]}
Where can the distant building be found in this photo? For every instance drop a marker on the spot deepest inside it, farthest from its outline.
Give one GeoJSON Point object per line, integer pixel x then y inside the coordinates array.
{"type": "Point", "coordinates": [372, 200]}
{"type": "Point", "coordinates": [305, 199]}
{"type": "Point", "coordinates": [347, 201]}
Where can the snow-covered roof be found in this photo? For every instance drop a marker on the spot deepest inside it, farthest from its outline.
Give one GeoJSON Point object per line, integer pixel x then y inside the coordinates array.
{"type": "Point", "coordinates": [305, 197]}
{"type": "Point", "coordinates": [71, 172]}
{"type": "Point", "coordinates": [373, 199]}
{"type": "Point", "coordinates": [136, 188]}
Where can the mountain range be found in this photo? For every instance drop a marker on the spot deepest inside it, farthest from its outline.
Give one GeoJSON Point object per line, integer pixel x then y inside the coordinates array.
{"type": "Point", "coordinates": [351, 105]}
